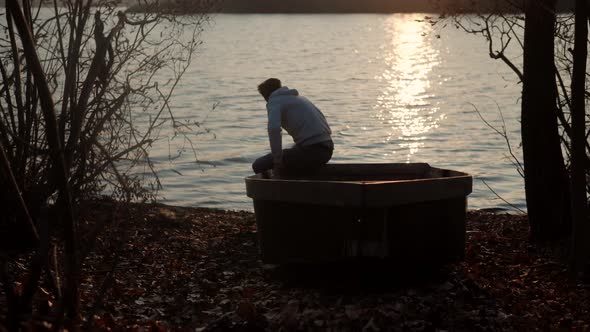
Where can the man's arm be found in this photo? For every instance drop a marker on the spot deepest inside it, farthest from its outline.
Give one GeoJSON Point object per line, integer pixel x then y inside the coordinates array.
{"type": "Point", "coordinates": [274, 133]}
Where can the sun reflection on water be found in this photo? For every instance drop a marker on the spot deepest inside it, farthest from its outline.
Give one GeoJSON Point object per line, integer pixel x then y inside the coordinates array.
{"type": "Point", "coordinates": [404, 103]}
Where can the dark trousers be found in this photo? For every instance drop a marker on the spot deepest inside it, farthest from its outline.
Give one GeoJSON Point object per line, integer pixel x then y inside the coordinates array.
{"type": "Point", "coordinates": [298, 159]}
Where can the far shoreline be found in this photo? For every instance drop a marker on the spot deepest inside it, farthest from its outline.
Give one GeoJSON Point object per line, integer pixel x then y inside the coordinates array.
{"type": "Point", "coordinates": [440, 7]}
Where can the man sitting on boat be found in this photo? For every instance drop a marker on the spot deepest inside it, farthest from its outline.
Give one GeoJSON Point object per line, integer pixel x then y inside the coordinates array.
{"type": "Point", "coordinates": [304, 122]}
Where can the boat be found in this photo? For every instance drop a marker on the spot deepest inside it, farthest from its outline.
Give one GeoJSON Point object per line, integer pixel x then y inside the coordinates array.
{"type": "Point", "coordinates": [406, 212]}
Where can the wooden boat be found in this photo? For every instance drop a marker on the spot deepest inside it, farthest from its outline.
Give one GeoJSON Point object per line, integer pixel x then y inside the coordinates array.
{"type": "Point", "coordinates": [403, 212]}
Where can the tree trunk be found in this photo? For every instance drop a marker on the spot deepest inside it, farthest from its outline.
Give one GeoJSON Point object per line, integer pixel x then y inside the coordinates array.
{"type": "Point", "coordinates": [545, 177]}
{"type": "Point", "coordinates": [71, 297]}
{"type": "Point", "coordinates": [579, 257]}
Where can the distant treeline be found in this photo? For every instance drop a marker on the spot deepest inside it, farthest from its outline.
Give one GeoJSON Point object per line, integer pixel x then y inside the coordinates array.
{"type": "Point", "coordinates": [340, 6]}
{"type": "Point", "coordinates": [375, 6]}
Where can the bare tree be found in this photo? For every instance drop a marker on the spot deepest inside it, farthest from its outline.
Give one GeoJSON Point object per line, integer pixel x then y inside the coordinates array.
{"type": "Point", "coordinates": [580, 249]}
{"type": "Point", "coordinates": [84, 87]}
{"type": "Point", "coordinates": [506, 34]}
{"type": "Point", "coordinates": [545, 177]}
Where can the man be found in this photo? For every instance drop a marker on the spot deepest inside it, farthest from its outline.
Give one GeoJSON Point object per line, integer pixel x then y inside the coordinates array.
{"type": "Point", "coordinates": [306, 125]}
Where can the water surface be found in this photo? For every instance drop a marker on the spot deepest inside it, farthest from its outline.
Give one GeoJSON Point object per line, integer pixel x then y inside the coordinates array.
{"type": "Point", "coordinates": [393, 88]}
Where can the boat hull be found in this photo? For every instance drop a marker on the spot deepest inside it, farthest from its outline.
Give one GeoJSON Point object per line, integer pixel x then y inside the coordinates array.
{"type": "Point", "coordinates": [402, 212]}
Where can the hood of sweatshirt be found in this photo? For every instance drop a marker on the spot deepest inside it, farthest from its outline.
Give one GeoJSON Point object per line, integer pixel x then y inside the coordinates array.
{"type": "Point", "coordinates": [284, 91]}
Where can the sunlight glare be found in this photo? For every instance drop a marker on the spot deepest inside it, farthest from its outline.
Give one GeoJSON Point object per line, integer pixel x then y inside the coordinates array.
{"type": "Point", "coordinates": [404, 103]}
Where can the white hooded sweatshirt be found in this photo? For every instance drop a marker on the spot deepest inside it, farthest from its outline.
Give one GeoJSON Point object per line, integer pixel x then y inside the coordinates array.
{"type": "Point", "coordinates": [298, 116]}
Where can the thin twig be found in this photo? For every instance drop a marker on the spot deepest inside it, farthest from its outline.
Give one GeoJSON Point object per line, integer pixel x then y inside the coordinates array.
{"type": "Point", "coordinates": [504, 134]}
{"type": "Point", "coordinates": [501, 198]}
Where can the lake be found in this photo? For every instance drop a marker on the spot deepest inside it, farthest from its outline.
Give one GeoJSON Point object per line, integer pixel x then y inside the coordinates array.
{"type": "Point", "coordinates": [393, 88]}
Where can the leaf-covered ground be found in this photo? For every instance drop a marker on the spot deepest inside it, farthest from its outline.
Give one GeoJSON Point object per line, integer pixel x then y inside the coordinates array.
{"type": "Point", "coordinates": [198, 269]}
{"type": "Point", "coordinates": [156, 267]}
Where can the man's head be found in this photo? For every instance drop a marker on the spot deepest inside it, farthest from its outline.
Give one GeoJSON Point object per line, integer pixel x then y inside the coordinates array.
{"type": "Point", "coordinates": [269, 86]}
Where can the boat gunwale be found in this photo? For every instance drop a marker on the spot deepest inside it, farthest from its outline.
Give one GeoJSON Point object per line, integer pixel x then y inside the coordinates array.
{"type": "Point", "coordinates": [364, 192]}
{"type": "Point", "coordinates": [257, 177]}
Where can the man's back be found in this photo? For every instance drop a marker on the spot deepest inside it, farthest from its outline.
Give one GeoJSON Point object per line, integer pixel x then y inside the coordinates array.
{"type": "Point", "coordinates": [298, 116]}
{"type": "Point", "coordinates": [305, 124]}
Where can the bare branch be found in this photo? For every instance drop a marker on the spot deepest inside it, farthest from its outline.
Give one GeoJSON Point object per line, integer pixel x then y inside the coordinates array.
{"type": "Point", "coordinates": [504, 134]}
{"type": "Point", "coordinates": [521, 211]}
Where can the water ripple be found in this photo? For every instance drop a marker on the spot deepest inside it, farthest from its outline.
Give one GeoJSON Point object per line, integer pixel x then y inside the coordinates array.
{"type": "Point", "coordinates": [390, 89]}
